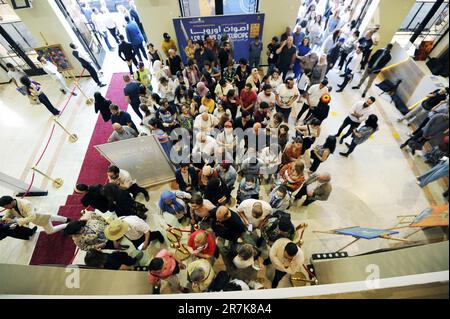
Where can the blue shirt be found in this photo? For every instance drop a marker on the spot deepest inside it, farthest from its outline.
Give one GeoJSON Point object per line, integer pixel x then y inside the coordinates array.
{"type": "Point", "coordinates": [134, 35]}
{"type": "Point", "coordinates": [132, 91]}
{"type": "Point", "coordinates": [298, 38]}
{"type": "Point", "coordinates": [123, 118]}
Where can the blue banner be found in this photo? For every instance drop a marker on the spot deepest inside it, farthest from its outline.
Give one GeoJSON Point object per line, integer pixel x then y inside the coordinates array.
{"type": "Point", "coordinates": [241, 29]}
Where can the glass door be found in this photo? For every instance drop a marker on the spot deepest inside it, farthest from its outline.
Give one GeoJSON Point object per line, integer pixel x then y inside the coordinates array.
{"type": "Point", "coordinates": [83, 30]}
{"type": "Point", "coordinates": [17, 47]}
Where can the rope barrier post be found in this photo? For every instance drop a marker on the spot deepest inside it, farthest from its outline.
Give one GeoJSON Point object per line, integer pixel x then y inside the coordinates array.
{"type": "Point", "coordinates": [89, 100]}
{"type": "Point", "coordinates": [57, 182]}
{"type": "Point", "coordinates": [72, 137]}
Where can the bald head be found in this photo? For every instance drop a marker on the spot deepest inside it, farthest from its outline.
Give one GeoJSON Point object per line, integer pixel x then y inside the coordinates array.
{"type": "Point", "coordinates": [126, 78]}
{"type": "Point", "coordinates": [223, 213]}
{"type": "Point", "coordinates": [257, 210]}
{"type": "Point", "coordinates": [324, 177]}
{"type": "Point", "coordinates": [200, 238]}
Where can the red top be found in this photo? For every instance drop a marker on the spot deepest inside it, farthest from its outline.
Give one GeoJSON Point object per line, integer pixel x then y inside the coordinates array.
{"type": "Point", "coordinates": [248, 98]}
{"type": "Point", "coordinates": [210, 242]}
{"type": "Point", "coordinates": [169, 266]}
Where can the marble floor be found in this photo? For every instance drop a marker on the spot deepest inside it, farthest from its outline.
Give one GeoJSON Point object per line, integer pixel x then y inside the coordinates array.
{"type": "Point", "coordinates": [370, 188]}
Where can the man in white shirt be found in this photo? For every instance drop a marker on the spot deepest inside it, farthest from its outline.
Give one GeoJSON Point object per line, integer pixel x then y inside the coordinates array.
{"type": "Point", "coordinates": [353, 65]}
{"type": "Point", "coordinates": [122, 178]}
{"type": "Point", "coordinates": [359, 113]}
{"type": "Point", "coordinates": [286, 257]}
{"type": "Point", "coordinates": [99, 24]}
{"type": "Point", "coordinates": [135, 229]}
{"type": "Point", "coordinates": [286, 95]}
{"type": "Point", "coordinates": [313, 96]}
{"type": "Point", "coordinates": [254, 213]}
{"type": "Point", "coordinates": [110, 24]}
{"type": "Point", "coordinates": [205, 122]}
{"type": "Point", "coordinates": [204, 144]}
{"type": "Point", "coordinates": [166, 89]}
{"type": "Point", "coordinates": [267, 95]}
{"type": "Point", "coordinates": [52, 70]}
{"type": "Point", "coordinates": [121, 133]}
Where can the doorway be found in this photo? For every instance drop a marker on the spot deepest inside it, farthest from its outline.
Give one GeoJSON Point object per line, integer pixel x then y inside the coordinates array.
{"type": "Point", "coordinates": [83, 29]}
{"type": "Point", "coordinates": [17, 43]}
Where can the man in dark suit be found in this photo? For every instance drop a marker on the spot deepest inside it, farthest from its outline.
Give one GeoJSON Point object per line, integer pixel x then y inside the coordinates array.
{"type": "Point", "coordinates": [377, 62]}
{"type": "Point", "coordinates": [85, 63]}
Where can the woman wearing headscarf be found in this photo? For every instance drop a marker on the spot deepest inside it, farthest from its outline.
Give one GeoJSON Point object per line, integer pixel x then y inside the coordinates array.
{"type": "Point", "coordinates": [308, 62]}
{"type": "Point", "coordinates": [217, 191]}
{"type": "Point", "coordinates": [169, 203]}
{"type": "Point", "coordinates": [159, 70]}
{"type": "Point", "coordinates": [319, 70]}
{"type": "Point", "coordinates": [202, 89]}
{"type": "Point", "coordinates": [102, 105]}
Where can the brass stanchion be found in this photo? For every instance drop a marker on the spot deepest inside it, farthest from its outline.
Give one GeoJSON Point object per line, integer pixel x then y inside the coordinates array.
{"type": "Point", "coordinates": [72, 137]}
{"type": "Point", "coordinates": [57, 182]}
{"type": "Point", "coordinates": [89, 100]}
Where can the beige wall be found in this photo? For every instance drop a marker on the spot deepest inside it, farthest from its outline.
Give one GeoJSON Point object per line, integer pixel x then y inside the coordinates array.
{"type": "Point", "coordinates": [156, 16]}
{"type": "Point", "coordinates": [278, 15]}
{"type": "Point", "coordinates": [440, 48]}
{"type": "Point", "coordinates": [390, 15]}
{"type": "Point", "coordinates": [42, 18]}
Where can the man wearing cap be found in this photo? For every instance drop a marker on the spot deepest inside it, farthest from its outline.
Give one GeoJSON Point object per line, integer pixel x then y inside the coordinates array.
{"type": "Point", "coordinates": [316, 187]}
{"type": "Point", "coordinates": [168, 44]}
{"type": "Point", "coordinates": [287, 258]}
{"type": "Point", "coordinates": [376, 63]}
{"type": "Point", "coordinates": [313, 96]}
{"type": "Point", "coordinates": [135, 37]}
{"type": "Point", "coordinates": [133, 228]}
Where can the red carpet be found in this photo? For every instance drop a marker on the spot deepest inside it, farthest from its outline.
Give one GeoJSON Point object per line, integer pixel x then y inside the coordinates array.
{"type": "Point", "coordinates": [57, 248]}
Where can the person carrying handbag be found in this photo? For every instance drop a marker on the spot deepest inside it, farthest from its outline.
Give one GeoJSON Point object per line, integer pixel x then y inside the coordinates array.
{"type": "Point", "coordinates": [36, 95]}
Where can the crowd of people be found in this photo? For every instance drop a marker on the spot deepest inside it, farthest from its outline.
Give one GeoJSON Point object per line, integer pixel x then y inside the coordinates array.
{"type": "Point", "coordinates": [241, 135]}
